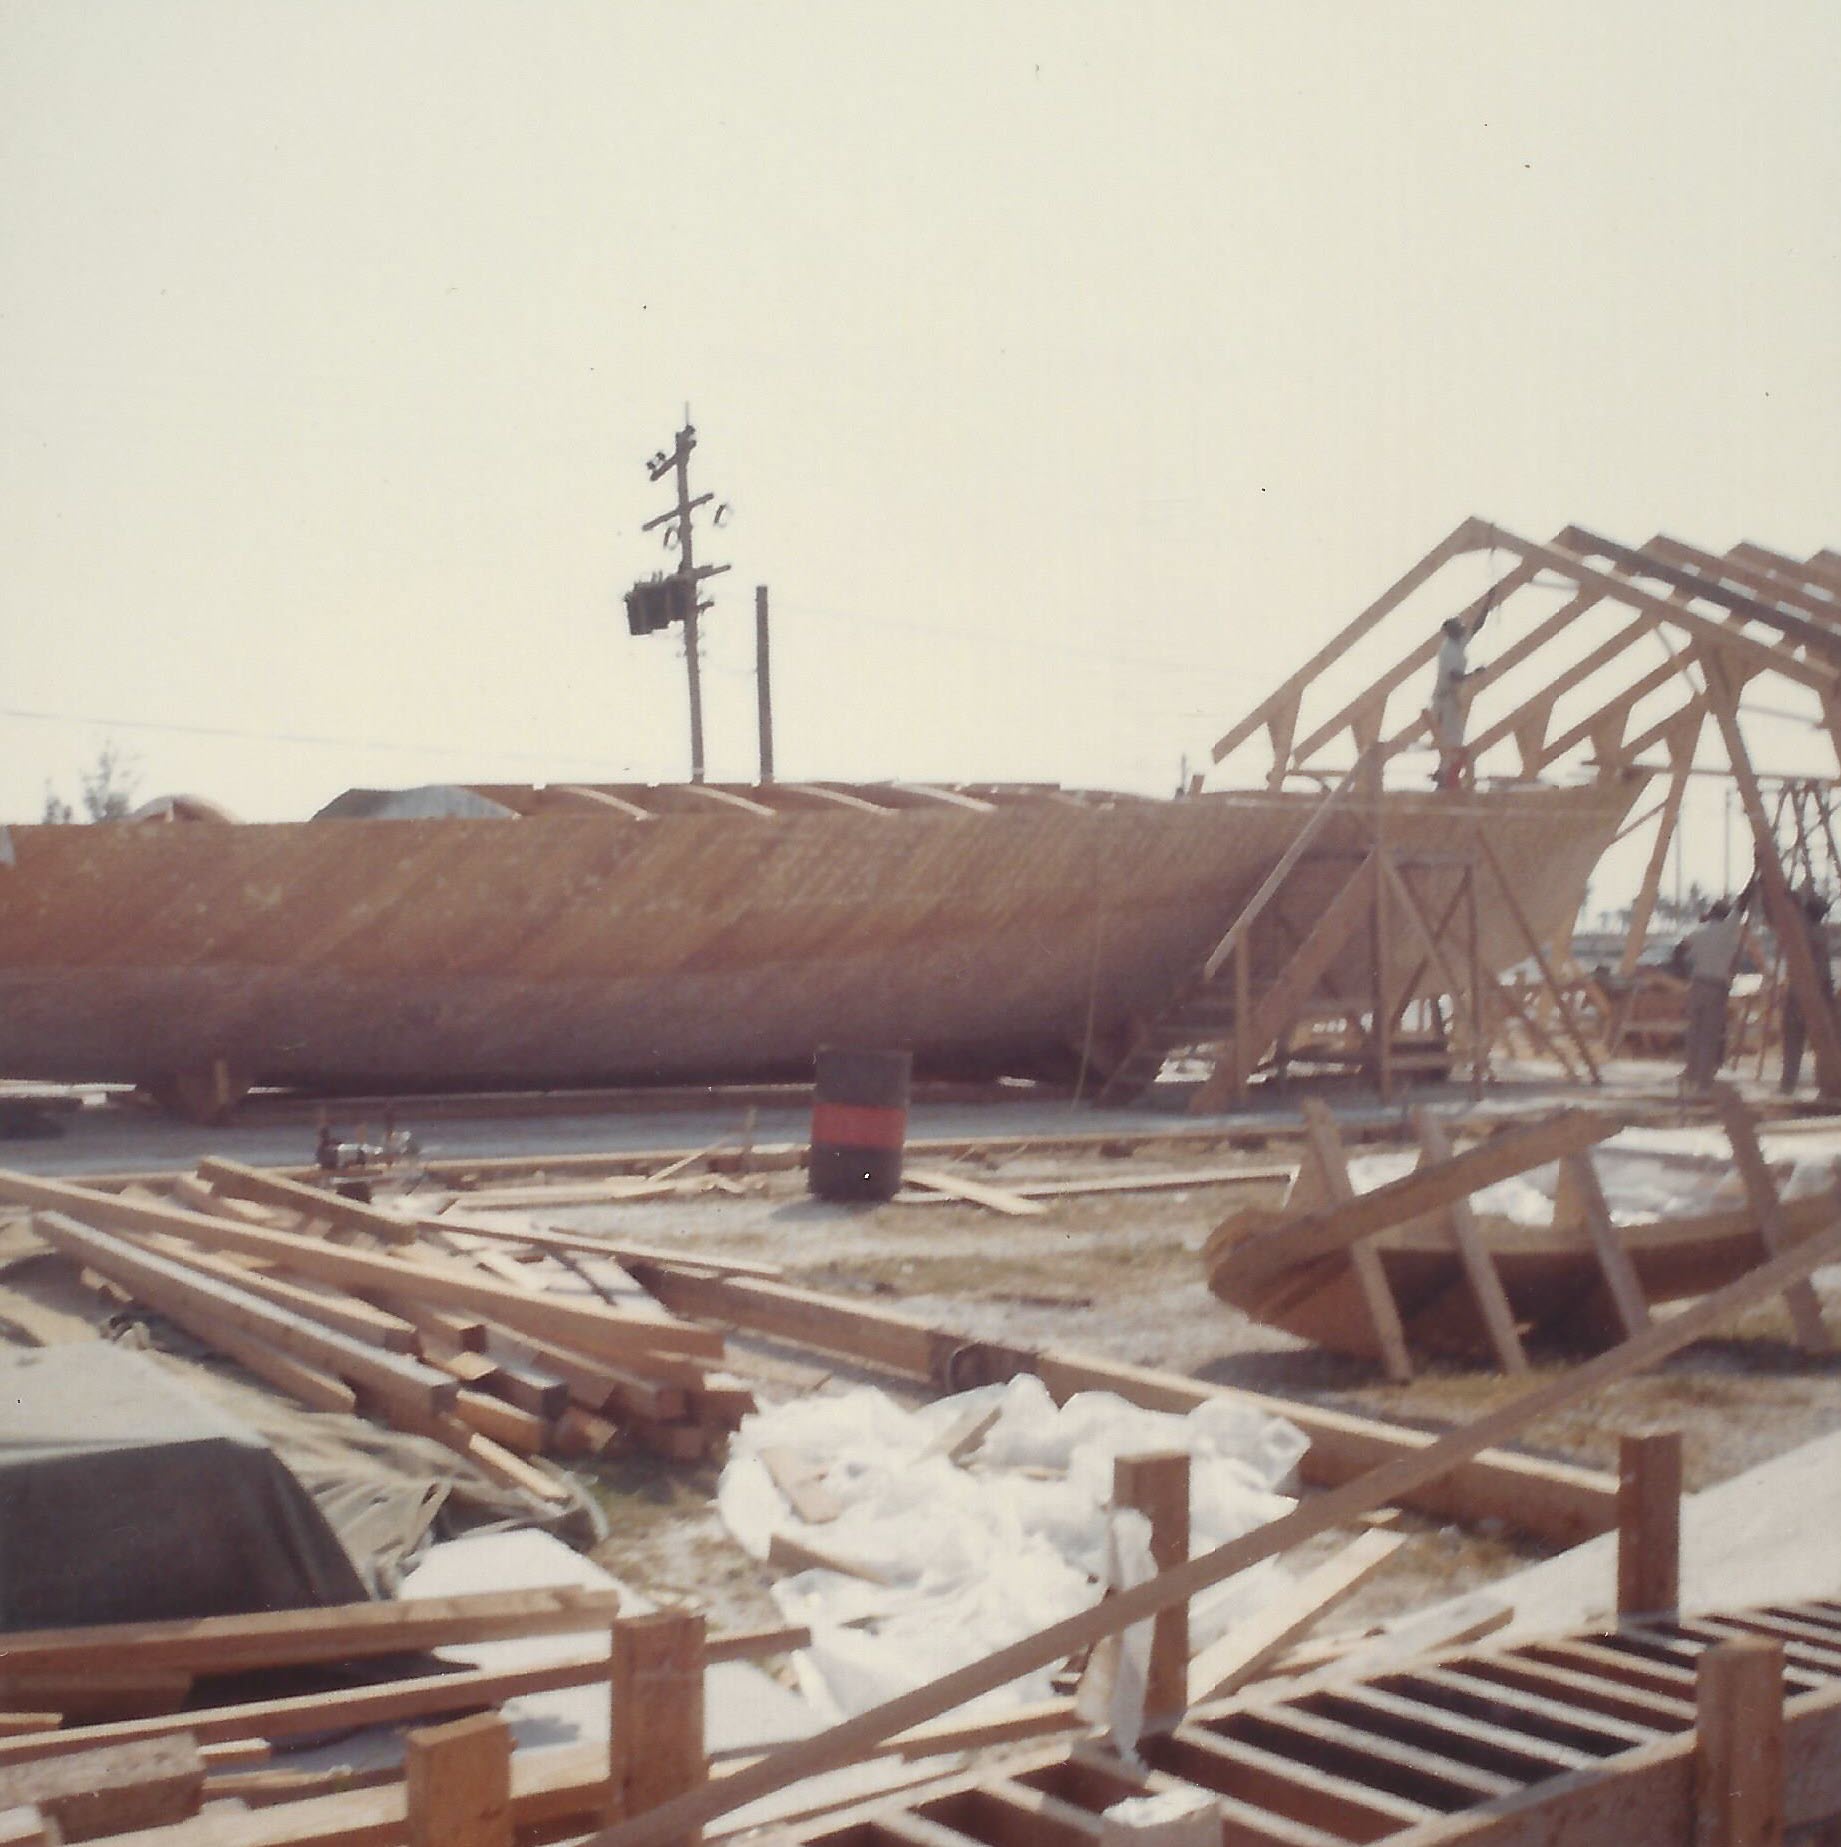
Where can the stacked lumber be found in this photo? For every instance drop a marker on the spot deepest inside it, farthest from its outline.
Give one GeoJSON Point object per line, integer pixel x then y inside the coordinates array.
{"type": "Point", "coordinates": [506, 1345]}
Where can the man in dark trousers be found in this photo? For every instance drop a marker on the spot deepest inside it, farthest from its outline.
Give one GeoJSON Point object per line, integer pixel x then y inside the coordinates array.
{"type": "Point", "coordinates": [1811, 911]}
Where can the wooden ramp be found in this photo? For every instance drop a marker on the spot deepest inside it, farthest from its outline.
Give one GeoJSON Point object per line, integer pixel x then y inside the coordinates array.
{"type": "Point", "coordinates": [1598, 1737]}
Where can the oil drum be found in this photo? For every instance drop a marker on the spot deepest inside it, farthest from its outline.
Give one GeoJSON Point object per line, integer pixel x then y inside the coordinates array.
{"type": "Point", "coordinates": [859, 1122]}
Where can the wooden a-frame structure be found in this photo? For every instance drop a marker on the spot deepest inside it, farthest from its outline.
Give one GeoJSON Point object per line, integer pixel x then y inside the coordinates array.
{"type": "Point", "coordinates": [1690, 631]}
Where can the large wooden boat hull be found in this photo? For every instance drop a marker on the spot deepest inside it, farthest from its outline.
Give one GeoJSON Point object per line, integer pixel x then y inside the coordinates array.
{"type": "Point", "coordinates": [608, 936]}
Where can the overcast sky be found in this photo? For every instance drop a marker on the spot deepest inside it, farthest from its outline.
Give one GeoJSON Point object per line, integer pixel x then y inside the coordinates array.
{"type": "Point", "coordinates": [1072, 370]}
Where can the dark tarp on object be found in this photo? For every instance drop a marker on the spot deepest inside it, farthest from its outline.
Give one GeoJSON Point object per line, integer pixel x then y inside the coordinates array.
{"type": "Point", "coordinates": [125, 1497]}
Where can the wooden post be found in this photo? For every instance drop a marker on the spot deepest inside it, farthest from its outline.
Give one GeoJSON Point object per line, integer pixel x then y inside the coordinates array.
{"type": "Point", "coordinates": [1479, 1017]}
{"type": "Point", "coordinates": [1761, 1194]}
{"type": "Point", "coordinates": [655, 1744]}
{"type": "Point", "coordinates": [1383, 953]}
{"type": "Point", "coordinates": [1681, 745]}
{"type": "Point", "coordinates": [763, 681]}
{"type": "Point", "coordinates": [1157, 1486]}
{"type": "Point", "coordinates": [458, 1779]}
{"type": "Point", "coordinates": [1649, 1524]}
{"type": "Point", "coordinates": [1738, 1761]}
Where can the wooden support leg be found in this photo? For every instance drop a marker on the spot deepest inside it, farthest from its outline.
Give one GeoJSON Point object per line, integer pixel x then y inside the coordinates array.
{"type": "Point", "coordinates": [1738, 1761]}
{"type": "Point", "coordinates": [1649, 1524]}
{"type": "Point", "coordinates": [458, 1778]}
{"type": "Point", "coordinates": [1580, 1200]}
{"type": "Point", "coordinates": [656, 1750]}
{"type": "Point", "coordinates": [1800, 1298]}
{"type": "Point", "coordinates": [1479, 1266]}
{"type": "Point", "coordinates": [1329, 1168]}
{"type": "Point", "coordinates": [1157, 1486]}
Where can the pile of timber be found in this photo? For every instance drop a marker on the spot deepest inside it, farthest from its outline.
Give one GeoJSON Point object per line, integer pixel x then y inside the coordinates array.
{"type": "Point", "coordinates": [1409, 1268]}
{"type": "Point", "coordinates": [506, 1344]}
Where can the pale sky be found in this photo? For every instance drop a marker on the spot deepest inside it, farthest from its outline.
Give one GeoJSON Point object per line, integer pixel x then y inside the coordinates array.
{"type": "Point", "coordinates": [1073, 370]}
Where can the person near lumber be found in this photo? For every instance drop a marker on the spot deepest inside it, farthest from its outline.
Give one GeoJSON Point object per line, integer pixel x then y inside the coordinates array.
{"type": "Point", "coordinates": [1712, 953]}
{"type": "Point", "coordinates": [1451, 705]}
{"type": "Point", "coordinates": [1812, 910]}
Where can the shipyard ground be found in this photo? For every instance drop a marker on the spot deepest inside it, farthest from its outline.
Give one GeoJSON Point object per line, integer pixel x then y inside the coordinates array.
{"type": "Point", "coordinates": [1115, 1274]}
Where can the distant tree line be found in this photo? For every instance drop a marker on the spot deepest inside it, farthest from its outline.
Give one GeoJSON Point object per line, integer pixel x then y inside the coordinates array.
{"type": "Point", "coordinates": [106, 790]}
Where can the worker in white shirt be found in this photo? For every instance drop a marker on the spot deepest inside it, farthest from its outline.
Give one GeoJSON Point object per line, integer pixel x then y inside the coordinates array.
{"type": "Point", "coordinates": [1450, 706]}
{"type": "Point", "coordinates": [1712, 953]}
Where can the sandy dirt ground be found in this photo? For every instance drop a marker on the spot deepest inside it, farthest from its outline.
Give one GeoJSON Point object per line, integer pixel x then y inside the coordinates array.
{"type": "Point", "coordinates": [1120, 1274]}
{"type": "Point", "coordinates": [1116, 1274]}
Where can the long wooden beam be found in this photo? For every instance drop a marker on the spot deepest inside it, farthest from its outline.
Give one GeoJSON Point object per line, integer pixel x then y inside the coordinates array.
{"type": "Point", "coordinates": [595, 1330]}
{"type": "Point", "coordinates": [1818, 640]}
{"type": "Point", "coordinates": [1517, 578]}
{"type": "Point", "coordinates": [1757, 655]}
{"type": "Point", "coordinates": [1462, 539]}
{"type": "Point", "coordinates": [677, 1819]}
{"type": "Point", "coordinates": [296, 1638]}
{"type": "Point", "coordinates": [1554, 1501]}
{"type": "Point", "coordinates": [199, 1303]}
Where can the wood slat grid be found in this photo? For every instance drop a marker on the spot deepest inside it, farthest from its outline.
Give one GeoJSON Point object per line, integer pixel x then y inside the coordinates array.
{"type": "Point", "coordinates": [1423, 1750]}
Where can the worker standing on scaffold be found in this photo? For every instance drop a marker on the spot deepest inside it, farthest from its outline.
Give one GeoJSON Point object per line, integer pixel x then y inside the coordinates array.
{"type": "Point", "coordinates": [1450, 706]}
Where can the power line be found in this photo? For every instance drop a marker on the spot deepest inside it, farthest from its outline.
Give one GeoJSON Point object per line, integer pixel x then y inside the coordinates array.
{"type": "Point", "coordinates": [396, 745]}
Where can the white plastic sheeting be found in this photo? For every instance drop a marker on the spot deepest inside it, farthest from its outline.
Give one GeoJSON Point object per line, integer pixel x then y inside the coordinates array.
{"type": "Point", "coordinates": [973, 1558]}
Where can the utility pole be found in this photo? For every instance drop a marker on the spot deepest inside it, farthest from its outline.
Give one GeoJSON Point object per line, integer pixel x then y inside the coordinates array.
{"type": "Point", "coordinates": [675, 599]}
{"type": "Point", "coordinates": [763, 681]}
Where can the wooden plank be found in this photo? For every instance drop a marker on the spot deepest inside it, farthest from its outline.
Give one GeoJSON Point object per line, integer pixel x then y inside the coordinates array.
{"type": "Point", "coordinates": [1579, 1201]}
{"type": "Point", "coordinates": [1559, 1502]}
{"type": "Point", "coordinates": [1286, 1785]}
{"type": "Point", "coordinates": [552, 1792]}
{"type": "Point", "coordinates": [657, 1744]}
{"type": "Point", "coordinates": [1486, 1289]}
{"type": "Point", "coordinates": [1509, 1751]}
{"type": "Point", "coordinates": [269, 1189]}
{"type": "Point", "coordinates": [596, 1330]}
{"type": "Point", "coordinates": [1405, 1770]}
{"type": "Point", "coordinates": [106, 1791]}
{"type": "Point", "coordinates": [1594, 1699]}
{"type": "Point", "coordinates": [1526, 1714]}
{"type": "Point", "coordinates": [200, 1304]}
{"type": "Point", "coordinates": [793, 1552]}
{"type": "Point", "coordinates": [28, 1826]}
{"type": "Point", "coordinates": [1332, 1228]}
{"type": "Point", "coordinates": [1334, 1508]}
{"type": "Point", "coordinates": [1531, 939]}
{"type": "Point", "coordinates": [306, 1385]}
{"type": "Point", "coordinates": [1649, 1523]}
{"type": "Point", "coordinates": [802, 1482]}
{"type": "Point", "coordinates": [957, 1186]}
{"type": "Point", "coordinates": [291, 1638]}
{"type": "Point", "coordinates": [1773, 1230]}
{"type": "Point", "coordinates": [388, 1703]}
{"type": "Point", "coordinates": [1330, 1170]}
{"type": "Point", "coordinates": [1280, 999]}
{"type": "Point", "coordinates": [1444, 1626]}
{"type": "Point", "coordinates": [1249, 913]}
{"type": "Point", "coordinates": [377, 1327]}
{"type": "Point", "coordinates": [1461, 539]}
{"type": "Point", "coordinates": [1245, 1650]}
{"type": "Point", "coordinates": [503, 1423]}
{"type": "Point", "coordinates": [1157, 1486]}
{"type": "Point", "coordinates": [458, 1783]}
{"type": "Point", "coordinates": [963, 1435]}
